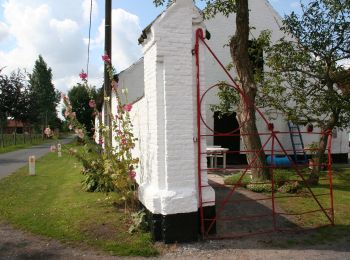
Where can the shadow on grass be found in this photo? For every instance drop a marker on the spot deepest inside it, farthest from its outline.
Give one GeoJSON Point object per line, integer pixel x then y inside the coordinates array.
{"type": "Point", "coordinates": [236, 219]}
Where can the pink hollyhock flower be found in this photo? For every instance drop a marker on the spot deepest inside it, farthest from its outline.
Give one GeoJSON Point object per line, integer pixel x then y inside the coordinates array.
{"type": "Point", "coordinates": [127, 107]}
{"type": "Point", "coordinates": [53, 148]}
{"type": "Point", "coordinates": [106, 58]}
{"type": "Point", "coordinates": [114, 85]}
{"type": "Point", "coordinates": [80, 133]}
{"type": "Point", "coordinates": [70, 127]}
{"type": "Point", "coordinates": [83, 75]}
{"type": "Point", "coordinates": [100, 142]}
{"type": "Point", "coordinates": [132, 175]}
{"type": "Point", "coordinates": [123, 141]}
{"type": "Point", "coordinates": [66, 113]}
{"type": "Point", "coordinates": [48, 131]}
{"type": "Point", "coordinates": [92, 103]}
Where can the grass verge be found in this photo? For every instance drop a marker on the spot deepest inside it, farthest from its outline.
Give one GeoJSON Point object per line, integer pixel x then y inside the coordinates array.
{"type": "Point", "coordinates": [12, 148]}
{"type": "Point", "coordinates": [53, 204]}
{"type": "Point", "coordinates": [304, 202]}
{"type": "Point", "coordinates": [341, 192]}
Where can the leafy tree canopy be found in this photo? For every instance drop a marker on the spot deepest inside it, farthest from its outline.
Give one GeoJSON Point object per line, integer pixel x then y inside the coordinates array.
{"type": "Point", "coordinates": [14, 96]}
{"type": "Point", "coordinates": [307, 80]}
{"type": "Point", "coordinates": [80, 97]}
{"type": "Point", "coordinates": [44, 97]}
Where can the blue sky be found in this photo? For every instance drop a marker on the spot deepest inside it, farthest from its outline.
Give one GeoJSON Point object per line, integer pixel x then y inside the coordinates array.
{"type": "Point", "coordinates": [58, 29]}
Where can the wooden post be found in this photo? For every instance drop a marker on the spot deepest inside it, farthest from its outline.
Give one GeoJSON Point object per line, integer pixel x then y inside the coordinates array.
{"type": "Point", "coordinates": [107, 81]}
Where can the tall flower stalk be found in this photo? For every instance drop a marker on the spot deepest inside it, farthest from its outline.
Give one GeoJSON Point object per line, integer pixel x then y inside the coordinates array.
{"type": "Point", "coordinates": [107, 167]}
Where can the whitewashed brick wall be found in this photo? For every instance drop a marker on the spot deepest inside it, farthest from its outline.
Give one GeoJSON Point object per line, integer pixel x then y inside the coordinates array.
{"type": "Point", "coordinates": [168, 172]}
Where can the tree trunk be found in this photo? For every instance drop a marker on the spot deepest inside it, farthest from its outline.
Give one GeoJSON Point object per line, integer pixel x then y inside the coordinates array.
{"type": "Point", "coordinates": [318, 158]}
{"type": "Point", "coordinates": [239, 45]}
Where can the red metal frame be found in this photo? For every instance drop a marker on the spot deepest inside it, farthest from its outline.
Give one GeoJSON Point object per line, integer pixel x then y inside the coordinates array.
{"type": "Point", "coordinates": [276, 148]}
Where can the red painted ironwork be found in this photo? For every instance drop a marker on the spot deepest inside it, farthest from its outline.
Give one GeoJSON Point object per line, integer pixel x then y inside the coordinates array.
{"type": "Point", "coordinates": [271, 146]}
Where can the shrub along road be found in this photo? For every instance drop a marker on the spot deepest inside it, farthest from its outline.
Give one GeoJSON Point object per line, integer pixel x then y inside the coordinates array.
{"type": "Point", "coordinates": [12, 161]}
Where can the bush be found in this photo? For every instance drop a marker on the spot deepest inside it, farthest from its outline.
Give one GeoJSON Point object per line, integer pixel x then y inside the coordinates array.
{"type": "Point", "coordinates": [233, 179]}
{"type": "Point", "coordinates": [263, 187]}
{"type": "Point", "coordinates": [93, 169]}
{"type": "Point", "coordinates": [283, 175]}
{"type": "Point", "coordinates": [290, 187]}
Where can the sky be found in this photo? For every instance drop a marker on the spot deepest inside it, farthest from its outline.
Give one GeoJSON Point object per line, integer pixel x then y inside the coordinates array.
{"type": "Point", "coordinates": [58, 30]}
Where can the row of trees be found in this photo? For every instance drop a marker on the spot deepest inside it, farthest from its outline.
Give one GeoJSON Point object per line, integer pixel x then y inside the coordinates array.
{"type": "Point", "coordinates": [30, 98]}
{"type": "Point", "coordinates": [306, 80]}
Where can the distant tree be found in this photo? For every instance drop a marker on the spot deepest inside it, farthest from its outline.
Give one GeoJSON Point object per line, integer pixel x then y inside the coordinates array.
{"type": "Point", "coordinates": [80, 97]}
{"type": "Point", "coordinates": [307, 80]}
{"type": "Point", "coordinates": [14, 97]}
{"type": "Point", "coordinates": [43, 96]}
{"type": "Point", "coordinates": [4, 106]}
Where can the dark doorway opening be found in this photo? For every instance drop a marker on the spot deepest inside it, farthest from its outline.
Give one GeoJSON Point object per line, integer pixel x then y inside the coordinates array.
{"type": "Point", "coordinates": [228, 124]}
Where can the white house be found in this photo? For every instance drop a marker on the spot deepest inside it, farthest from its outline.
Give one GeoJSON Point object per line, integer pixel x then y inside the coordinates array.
{"type": "Point", "coordinates": [162, 86]}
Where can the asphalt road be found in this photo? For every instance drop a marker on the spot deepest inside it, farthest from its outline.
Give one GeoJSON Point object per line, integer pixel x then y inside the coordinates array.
{"type": "Point", "coordinates": [12, 161]}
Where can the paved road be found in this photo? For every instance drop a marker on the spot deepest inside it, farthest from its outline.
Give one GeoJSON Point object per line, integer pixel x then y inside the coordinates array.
{"type": "Point", "coordinates": [12, 161]}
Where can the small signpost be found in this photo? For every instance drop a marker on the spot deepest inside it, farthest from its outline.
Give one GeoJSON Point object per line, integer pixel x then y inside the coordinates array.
{"type": "Point", "coordinates": [31, 165]}
{"type": "Point", "coordinates": [59, 150]}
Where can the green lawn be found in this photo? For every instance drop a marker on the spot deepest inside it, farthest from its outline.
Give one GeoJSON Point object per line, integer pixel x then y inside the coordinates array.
{"type": "Point", "coordinates": [305, 203]}
{"type": "Point", "coordinates": [341, 191]}
{"type": "Point", "coordinates": [53, 204]}
{"type": "Point", "coordinates": [10, 147]}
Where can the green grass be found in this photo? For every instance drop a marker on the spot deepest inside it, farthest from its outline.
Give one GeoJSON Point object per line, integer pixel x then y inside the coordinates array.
{"type": "Point", "coordinates": [10, 147]}
{"type": "Point", "coordinates": [53, 204]}
{"type": "Point", "coordinates": [35, 141]}
{"type": "Point", "coordinates": [233, 179]}
{"type": "Point", "coordinates": [295, 205]}
{"type": "Point", "coordinates": [341, 191]}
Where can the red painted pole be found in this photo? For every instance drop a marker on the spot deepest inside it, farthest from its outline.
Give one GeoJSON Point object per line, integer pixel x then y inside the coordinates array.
{"type": "Point", "coordinates": [199, 35]}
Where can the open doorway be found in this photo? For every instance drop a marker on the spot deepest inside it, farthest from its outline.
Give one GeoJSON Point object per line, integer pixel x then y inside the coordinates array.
{"type": "Point", "coordinates": [228, 124]}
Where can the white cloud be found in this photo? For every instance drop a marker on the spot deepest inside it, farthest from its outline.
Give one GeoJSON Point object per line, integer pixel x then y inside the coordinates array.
{"type": "Point", "coordinates": [295, 5]}
{"type": "Point", "coordinates": [3, 31]}
{"type": "Point", "coordinates": [57, 33]}
{"type": "Point", "coordinates": [37, 32]}
{"type": "Point", "coordinates": [40, 28]}
{"type": "Point", "coordinates": [125, 32]}
{"type": "Point", "coordinates": [86, 5]}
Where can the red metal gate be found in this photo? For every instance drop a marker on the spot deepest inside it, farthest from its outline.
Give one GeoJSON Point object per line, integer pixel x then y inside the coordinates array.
{"type": "Point", "coordinates": [240, 212]}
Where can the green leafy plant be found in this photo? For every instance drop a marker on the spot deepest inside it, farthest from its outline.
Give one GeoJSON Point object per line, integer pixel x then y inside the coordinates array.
{"type": "Point", "coordinates": [283, 175]}
{"type": "Point", "coordinates": [233, 179]}
{"type": "Point", "coordinates": [139, 221]}
{"type": "Point", "coordinates": [107, 167]}
{"type": "Point", "coordinates": [290, 187]}
{"type": "Point", "coordinates": [263, 187]}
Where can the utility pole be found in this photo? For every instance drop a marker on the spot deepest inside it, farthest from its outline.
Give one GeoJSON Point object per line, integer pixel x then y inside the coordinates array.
{"type": "Point", "coordinates": [107, 80]}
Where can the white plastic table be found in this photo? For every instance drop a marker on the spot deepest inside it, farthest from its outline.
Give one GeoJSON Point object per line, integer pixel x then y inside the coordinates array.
{"type": "Point", "coordinates": [215, 152]}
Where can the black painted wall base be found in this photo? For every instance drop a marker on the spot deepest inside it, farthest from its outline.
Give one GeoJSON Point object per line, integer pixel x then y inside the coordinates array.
{"type": "Point", "coordinates": [178, 228]}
